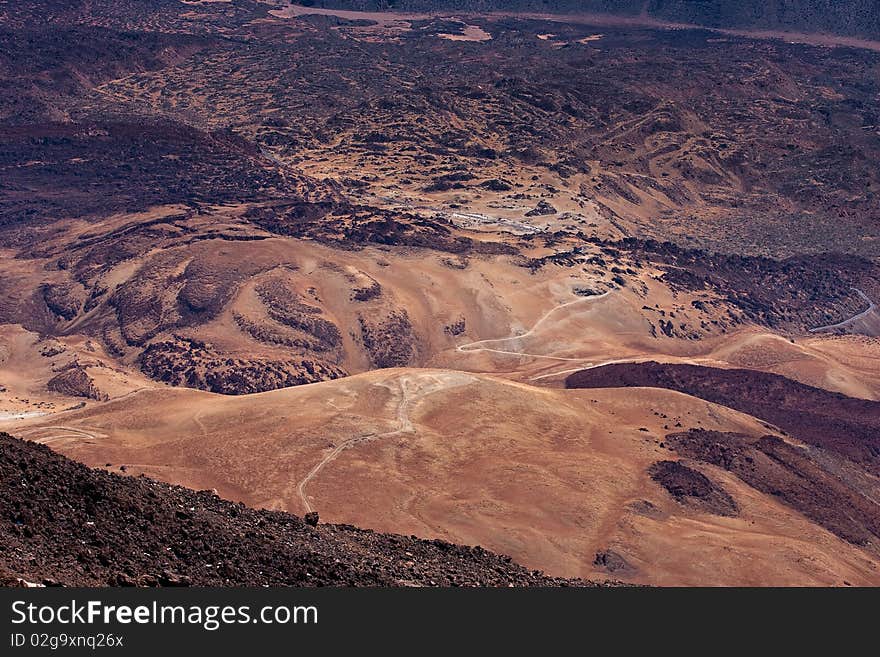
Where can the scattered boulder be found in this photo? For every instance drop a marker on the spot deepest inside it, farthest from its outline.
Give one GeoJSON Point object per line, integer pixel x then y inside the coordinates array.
{"type": "Point", "coordinates": [612, 562]}
{"type": "Point", "coordinates": [496, 185]}
{"type": "Point", "coordinates": [542, 209]}
{"type": "Point", "coordinates": [692, 488]}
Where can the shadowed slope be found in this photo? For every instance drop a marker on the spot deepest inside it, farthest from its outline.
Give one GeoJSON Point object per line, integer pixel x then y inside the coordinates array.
{"type": "Point", "coordinates": [830, 420]}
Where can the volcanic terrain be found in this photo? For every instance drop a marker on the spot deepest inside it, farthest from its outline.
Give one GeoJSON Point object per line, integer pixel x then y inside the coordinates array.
{"type": "Point", "coordinates": [72, 526]}
{"type": "Point", "coordinates": [596, 291]}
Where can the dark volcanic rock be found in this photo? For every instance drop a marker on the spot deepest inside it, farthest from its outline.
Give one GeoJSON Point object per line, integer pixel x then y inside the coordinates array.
{"type": "Point", "coordinates": [64, 300]}
{"type": "Point", "coordinates": [542, 209]}
{"type": "Point", "coordinates": [692, 488]}
{"type": "Point", "coordinates": [798, 477]}
{"type": "Point", "coordinates": [355, 226]}
{"type": "Point", "coordinates": [81, 527]}
{"type": "Point", "coordinates": [611, 562]}
{"type": "Point", "coordinates": [130, 167]}
{"type": "Point", "coordinates": [792, 294]}
{"type": "Point", "coordinates": [76, 382]}
{"type": "Point", "coordinates": [391, 341]}
{"type": "Point", "coordinates": [287, 308]}
{"type": "Point", "coordinates": [843, 425]}
{"type": "Point", "coordinates": [496, 185]}
{"type": "Point", "coordinates": [194, 364]}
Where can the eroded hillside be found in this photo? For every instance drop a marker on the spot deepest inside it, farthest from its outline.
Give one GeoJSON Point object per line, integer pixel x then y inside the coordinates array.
{"type": "Point", "coordinates": [346, 261]}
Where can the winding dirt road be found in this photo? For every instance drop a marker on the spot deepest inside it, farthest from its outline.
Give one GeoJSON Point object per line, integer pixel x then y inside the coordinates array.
{"type": "Point", "coordinates": [472, 346]}
{"type": "Point", "coordinates": [413, 388]}
{"type": "Point", "coordinates": [871, 307]}
{"type": "Point", "coordinates": [66, 432]}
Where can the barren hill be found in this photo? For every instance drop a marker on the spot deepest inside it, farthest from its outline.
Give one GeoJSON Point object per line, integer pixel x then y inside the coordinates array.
{"type": "Point", "coordinates": [558, 479]}
{"type": "Point", "coordinates": [64, 524]}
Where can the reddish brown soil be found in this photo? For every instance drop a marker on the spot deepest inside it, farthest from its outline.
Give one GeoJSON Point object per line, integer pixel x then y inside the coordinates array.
{"type": "Point", "coordinates": [63, 523]}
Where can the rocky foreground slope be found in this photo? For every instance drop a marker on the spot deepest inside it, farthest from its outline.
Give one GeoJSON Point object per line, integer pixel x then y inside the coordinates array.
{"type": "Point", "coordinates": [63, 523]}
